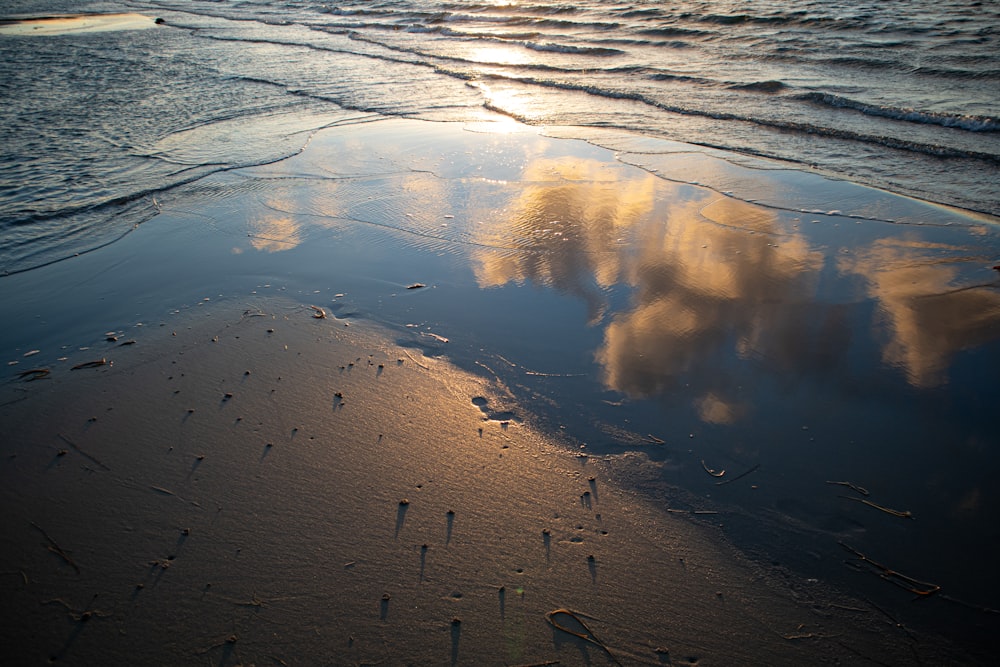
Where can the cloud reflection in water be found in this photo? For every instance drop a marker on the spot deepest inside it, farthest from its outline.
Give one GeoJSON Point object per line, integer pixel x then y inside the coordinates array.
{"type": "Point", "coordinates": [928, 315]}
{"type": "Point", "coordinates": [717, 285]}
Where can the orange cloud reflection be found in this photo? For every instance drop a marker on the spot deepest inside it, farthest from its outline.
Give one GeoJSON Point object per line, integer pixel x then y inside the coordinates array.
{"type": "Point", "coordinates": [274, 232]}
{"type": "Point", "coordinates": [713, 277]}
{"type": "Point", "coordinates": [708, 282]}
{"type": "Point", "coordinates": [930, 316]}
{"type": "Point", "coordinates": [565, 228]}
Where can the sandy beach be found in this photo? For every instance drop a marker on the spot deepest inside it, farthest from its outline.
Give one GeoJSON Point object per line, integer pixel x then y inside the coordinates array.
{"type": "Point", "coordinates": [269, 487]}
{"type": "Point", "coordinates": [380, 404]}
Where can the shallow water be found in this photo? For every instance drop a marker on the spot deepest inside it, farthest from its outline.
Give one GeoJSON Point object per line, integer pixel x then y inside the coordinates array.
{"type": "Point", "coordinates": [96, 127]}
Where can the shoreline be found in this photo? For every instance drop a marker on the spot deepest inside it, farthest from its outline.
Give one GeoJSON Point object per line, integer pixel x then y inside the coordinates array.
{"type": "Point", "coordinates": [243, 484]}
{"type": "Point", "coordinates": [562, 332]}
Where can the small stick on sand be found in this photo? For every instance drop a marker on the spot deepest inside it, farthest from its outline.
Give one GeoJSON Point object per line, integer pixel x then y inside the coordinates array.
{"type": "Point", "coordinates": [740, 476]}
{"type": "Point", "coordinates": [919, 588]}
{"type": "Point", "coordinates": [34, 374]}
{"type": "Point", "coordinates": [19, 572]}
{"type": "Point", "coordinates": [55, 548]}
{"type": "Point", "coordinates": [711, 471]}
{"type": "Point", "coordinates": [80, 616]}
{"type": "Point", "coordinates": [320, 314]}
{"type": "Point", "coordinates": [168, 492]}
{"type": "Point", "coordinates": [903, 515]}
{"type": "Point", "coordinates": [254, 602]}
{"type": "Point", "coordinates": [81, 452]}
{"type": "Point", "coordinates": [588, 637]}
{"type": "Point", "coordinates": [652, 438]}
{"type": "Point", "coordinates": [854, 487]}
{"type": "Point", "coordinates": [415, 361]}
{"type": "Point", "coordinates": [228, 641]}
{"type": "Point", "coordinates": [91, 364]}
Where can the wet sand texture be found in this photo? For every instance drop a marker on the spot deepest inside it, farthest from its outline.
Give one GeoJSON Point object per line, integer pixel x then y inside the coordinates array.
{"type": "Point", "coordinates": [275, 488]}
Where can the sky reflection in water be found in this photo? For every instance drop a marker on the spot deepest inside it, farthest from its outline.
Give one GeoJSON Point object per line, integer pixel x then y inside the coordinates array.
{"type": "Point", "coordinates": [668, 326]}
{"type": "Point", "coordinates": [682, 281]}
{"type": "Point", "coordinates": [836, 333]}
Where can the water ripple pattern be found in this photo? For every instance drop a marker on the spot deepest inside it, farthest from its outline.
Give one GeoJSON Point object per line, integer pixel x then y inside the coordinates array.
{"type": "Point", "coordinates": [96, 126]}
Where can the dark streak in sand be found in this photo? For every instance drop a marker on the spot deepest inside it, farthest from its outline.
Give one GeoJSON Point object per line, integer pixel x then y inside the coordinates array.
{"type": "Point", "coordinates": [55, 548]}
{"type": "Point", "coordinates": [83, 453]}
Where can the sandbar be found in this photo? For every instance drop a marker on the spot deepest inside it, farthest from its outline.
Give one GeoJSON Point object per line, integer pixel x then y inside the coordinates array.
{"type": "Point", "coordinates": [75, 23]}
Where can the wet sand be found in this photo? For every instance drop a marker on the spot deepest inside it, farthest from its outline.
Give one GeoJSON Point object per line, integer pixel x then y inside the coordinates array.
{"type": "Point", "coordinates": [75, 23]}
{"type": "Point", "coordinates": [404, 480]}
{"type": "Point", "coordinates": [269, 487]}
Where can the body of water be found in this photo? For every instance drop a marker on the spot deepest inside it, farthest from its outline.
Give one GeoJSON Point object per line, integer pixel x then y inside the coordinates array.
{"type": "Point", "coordinates": [94, 125]}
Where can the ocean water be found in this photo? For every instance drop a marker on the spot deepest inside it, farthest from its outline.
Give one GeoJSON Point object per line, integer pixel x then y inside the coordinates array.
{"type": "Point", "coordinates": [95, 125]}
